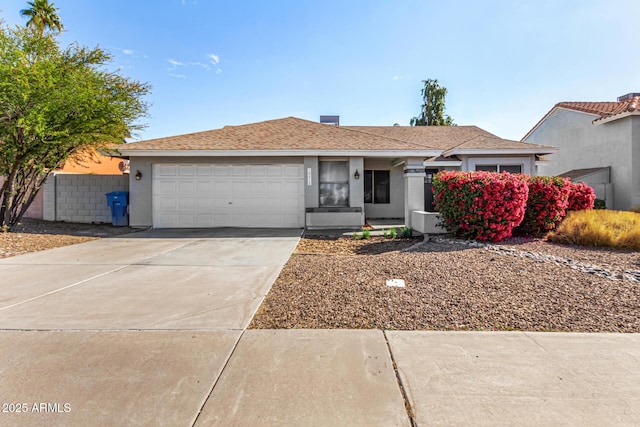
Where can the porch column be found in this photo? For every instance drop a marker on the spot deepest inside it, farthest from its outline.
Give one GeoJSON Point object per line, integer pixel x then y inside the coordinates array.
{"type": "Point", "coordinates": [413, 187]}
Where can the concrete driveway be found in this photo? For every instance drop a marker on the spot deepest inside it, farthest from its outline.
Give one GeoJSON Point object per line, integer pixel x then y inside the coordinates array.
{"type": "Point", "coordinates": [132, 330]}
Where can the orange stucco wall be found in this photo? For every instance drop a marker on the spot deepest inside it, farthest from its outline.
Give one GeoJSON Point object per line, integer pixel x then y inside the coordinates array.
{"type": "Point", "coordinates": [98, 164]}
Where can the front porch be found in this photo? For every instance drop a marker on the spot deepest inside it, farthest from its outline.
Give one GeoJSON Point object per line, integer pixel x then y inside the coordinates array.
{"type": "Point", "coordinates": [383, 192]}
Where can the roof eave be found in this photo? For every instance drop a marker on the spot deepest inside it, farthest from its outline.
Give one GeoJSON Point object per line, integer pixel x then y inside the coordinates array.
{"type": "Point", "coordinates": [443, 164]}
{"type": "Point", "coordinates": [546, 116]}
{"type": "Point", "coordinates": [279, 153]}
{"type": "Point", "coordinates": [500, 152]}
{"type": "Point", "coordinates": [609, 119]}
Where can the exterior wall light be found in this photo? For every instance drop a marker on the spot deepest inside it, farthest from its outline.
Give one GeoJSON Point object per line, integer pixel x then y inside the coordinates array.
{"type": "Point", "coordinates": [356, 175]}
{"type": "Point", "coordinates": [138, 175]}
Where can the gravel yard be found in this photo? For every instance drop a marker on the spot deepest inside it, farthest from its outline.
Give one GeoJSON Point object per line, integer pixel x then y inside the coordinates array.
{"type": "Point", "coordinates": [32, 235]}
{"type": "Point", "coordinates": [341, 283]}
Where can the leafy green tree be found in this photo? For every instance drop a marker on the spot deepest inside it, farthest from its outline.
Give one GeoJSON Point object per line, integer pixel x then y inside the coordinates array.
{"type": "Point", "coordinates": [55, 103]}
{"type": "Point", "coordinates": [42, 16]}
{"type": "Point", "coordinates": [432, 113]}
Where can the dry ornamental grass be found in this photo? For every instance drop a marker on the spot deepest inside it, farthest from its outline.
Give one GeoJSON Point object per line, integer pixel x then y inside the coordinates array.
{"type": "Point", "coordinates": [616, 229]}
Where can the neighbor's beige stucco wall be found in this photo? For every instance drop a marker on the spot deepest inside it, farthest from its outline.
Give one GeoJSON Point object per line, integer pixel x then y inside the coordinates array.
{"type": "Point", "coordinates": [584, 145]}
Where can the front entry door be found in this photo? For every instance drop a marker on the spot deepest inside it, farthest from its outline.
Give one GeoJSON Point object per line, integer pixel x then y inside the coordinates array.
{"type": "Point", "coordinates": [428, 190]}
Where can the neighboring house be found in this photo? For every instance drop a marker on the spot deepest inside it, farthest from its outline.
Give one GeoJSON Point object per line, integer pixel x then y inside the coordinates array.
{"type": "Point", "coordinates": [294, 173]}
{"type": "Point", "coordinates": [599, 144]}
{"type": "Point", "coordinates": [95, 163]}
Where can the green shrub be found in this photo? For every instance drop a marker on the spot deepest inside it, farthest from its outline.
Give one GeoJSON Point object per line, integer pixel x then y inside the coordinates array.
{"type": "Point", "coordinates": [406, 232]}
{"type": "Point", "coordinates": [366, 234]}
{"type": "Point", "coordinates": [599, 204]}
{"type": "Point", "coordinates": [393, 233]}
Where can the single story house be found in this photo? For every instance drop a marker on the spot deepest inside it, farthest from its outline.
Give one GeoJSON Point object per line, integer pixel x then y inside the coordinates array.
{"type": "Point", "coordinates": [599, 144]}
{"type": "Point", "coordinates": [297, 173]}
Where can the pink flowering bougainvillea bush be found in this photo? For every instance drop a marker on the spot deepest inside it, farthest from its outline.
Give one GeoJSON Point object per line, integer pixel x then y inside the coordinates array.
{"type": "Point", "coordinates": [547, 204]}
{"type": "Point", "coordinates": [582, 197]}
{"type": "Point", "coordinates": [480, 205]}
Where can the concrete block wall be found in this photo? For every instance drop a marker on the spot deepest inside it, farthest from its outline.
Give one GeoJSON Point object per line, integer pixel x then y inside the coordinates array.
{"type": "Point", "coordinates": [80, 198]}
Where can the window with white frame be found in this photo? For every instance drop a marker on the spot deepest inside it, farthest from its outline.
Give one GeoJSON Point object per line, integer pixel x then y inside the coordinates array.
{"type": "Point", "coordinates": [500, 168]}
{"type": "Point", "coordinates": [334, 183]}
{"type": "Point", "coordinates": [377, 186]}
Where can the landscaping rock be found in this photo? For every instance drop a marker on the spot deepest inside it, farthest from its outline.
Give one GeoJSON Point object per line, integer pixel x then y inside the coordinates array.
{"type": "Point", "coordinates": [453, 284]}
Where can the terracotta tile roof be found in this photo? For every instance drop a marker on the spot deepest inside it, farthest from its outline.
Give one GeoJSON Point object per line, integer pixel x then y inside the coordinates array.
{"type": "Point", "coordinates": [296, 134]}
{"type": "Point", "coordinates": [627, 106]}
{"type": "Point", "coordinates": [598, 108]}
{"type": "Point", "coordinates": [604, 110]}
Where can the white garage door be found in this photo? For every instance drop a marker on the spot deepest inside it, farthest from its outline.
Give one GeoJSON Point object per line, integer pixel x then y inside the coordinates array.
{"type": "Point", "coordinates": [207, 195]}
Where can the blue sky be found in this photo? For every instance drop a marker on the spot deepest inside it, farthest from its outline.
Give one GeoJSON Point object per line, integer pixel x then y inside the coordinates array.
{"type": "Point", "coordinates": [216, 63]}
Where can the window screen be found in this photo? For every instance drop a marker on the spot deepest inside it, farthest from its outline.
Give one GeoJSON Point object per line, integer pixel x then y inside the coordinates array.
{"type": "Point", "coordinates": [487, 168]}
{"type": "Point", "coordinates": [334, 183]}
{"type": "Point", "coordinates": [511, 168]}
{"type": "Point", "coordinates": [500, 168]}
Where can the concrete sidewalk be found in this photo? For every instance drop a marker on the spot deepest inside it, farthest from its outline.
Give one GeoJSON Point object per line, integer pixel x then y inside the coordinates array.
{"type": "Point", "coordinates": [347, 378]}
{"type": "Point", "coordinates": [149, 329]}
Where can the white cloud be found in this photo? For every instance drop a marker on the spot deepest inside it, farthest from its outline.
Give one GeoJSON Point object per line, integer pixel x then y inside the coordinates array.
{"type": "Point", "coordinates": [128, 52]}
{"type": "Point", "coordinates": [200, 64]}
{"type": "Point", "coordinates": [398, 78]}
{"type": "Point", "coordinates": [176, 63]}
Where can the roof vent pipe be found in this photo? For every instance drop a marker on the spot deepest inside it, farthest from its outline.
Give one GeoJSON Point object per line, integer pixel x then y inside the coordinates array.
{"type": "Point", "coordinates": [628, 96]}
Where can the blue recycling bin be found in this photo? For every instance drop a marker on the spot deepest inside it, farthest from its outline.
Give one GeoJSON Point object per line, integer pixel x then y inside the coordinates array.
{"type": "Point", "coordinates": [118, 202]}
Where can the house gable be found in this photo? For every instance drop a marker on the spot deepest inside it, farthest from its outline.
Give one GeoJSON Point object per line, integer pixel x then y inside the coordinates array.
{"type": "Point", "coordinates": [595, 135]}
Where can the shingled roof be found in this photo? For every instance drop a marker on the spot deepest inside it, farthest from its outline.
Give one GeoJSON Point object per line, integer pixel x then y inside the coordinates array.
{"type": "Point", "coordinates": [440, 137]}
{"type": "Point", "coordinates": [289, 133]}
{"type": "Point", "coordinates": [294, 134]}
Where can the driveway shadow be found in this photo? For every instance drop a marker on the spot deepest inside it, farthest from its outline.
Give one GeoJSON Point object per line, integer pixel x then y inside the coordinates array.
{"type": "Point", "coordinates": [213, 233]}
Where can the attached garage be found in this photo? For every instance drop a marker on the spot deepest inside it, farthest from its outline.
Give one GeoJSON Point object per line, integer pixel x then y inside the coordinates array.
{"type": "Point", "coordinates": [227, 195]}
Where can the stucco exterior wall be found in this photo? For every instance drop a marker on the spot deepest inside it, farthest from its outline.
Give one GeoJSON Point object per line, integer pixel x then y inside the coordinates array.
{"type": "Point", "coordinates": [584, 145]}
{"type": "Point", "coordinates": [635, 162]}
{"type": "Point", "coordinates": [406, 189]}
{"type": "Point", "coordinates": [394, 209]}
